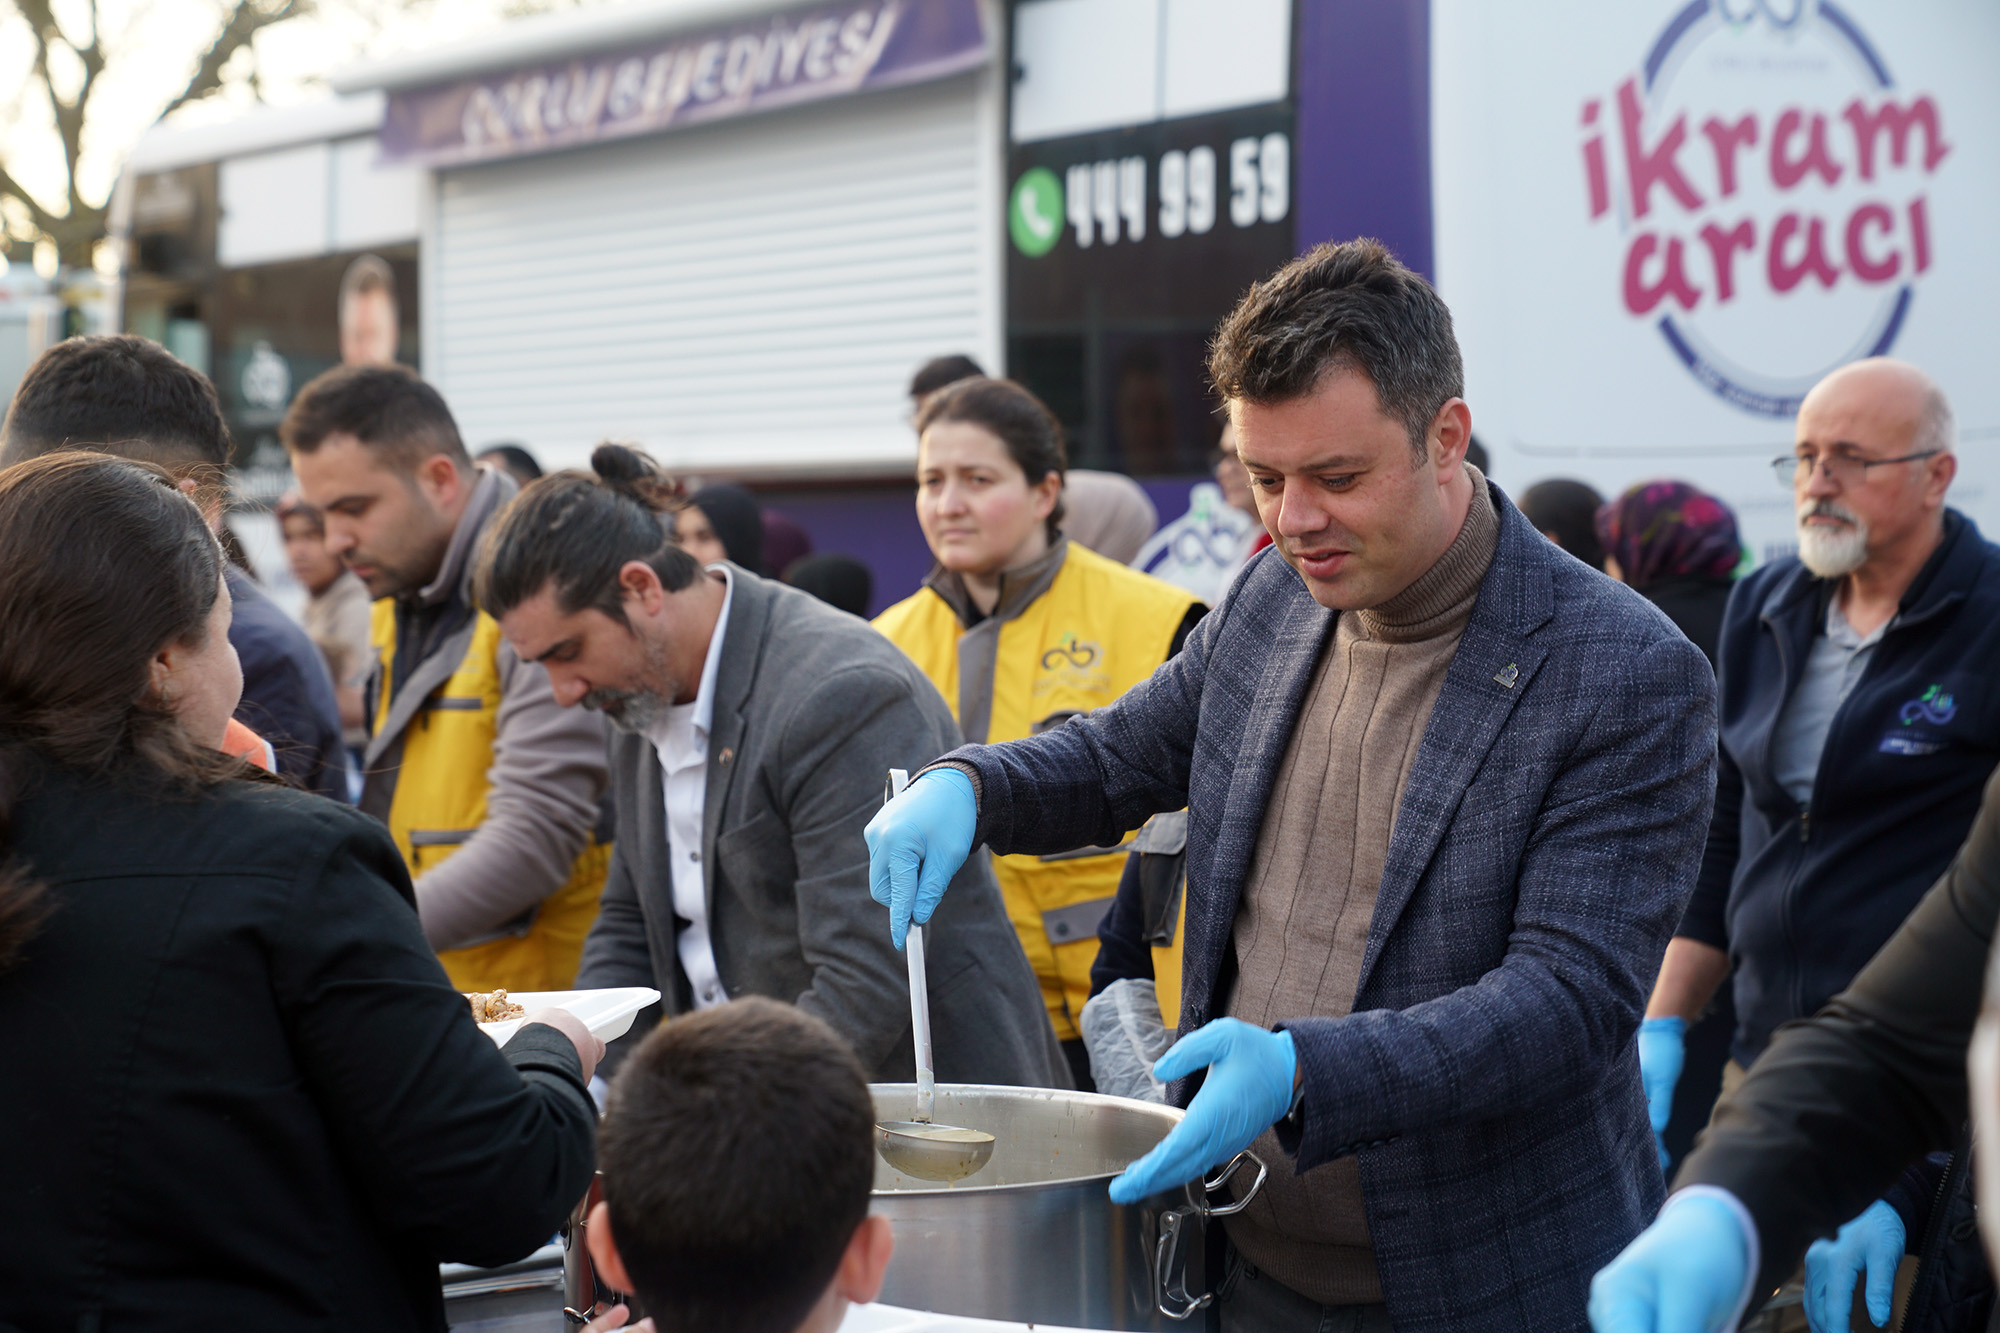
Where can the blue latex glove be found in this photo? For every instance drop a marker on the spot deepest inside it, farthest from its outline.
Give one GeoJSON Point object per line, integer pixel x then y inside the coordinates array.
{"type": "Point", "coordinates": [916, 843]}
{"type": "Point", "coordinates": [1662, 1051]}
{"type": "Point", "coordinates": [1249, 1086]}
{"type": "Point", "coordinates": [1686, 1273]}
{"type": "Point", "coordinates": [1871, 1243]}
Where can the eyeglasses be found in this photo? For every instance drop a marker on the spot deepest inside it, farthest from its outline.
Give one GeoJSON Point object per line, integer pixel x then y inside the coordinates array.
{"type": "Point", "coordinates": [1847, 469]}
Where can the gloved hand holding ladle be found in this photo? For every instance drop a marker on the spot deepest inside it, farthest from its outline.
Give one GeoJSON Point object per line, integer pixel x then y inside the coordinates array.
{"type": "Point", "coordinates": [921, 1147]}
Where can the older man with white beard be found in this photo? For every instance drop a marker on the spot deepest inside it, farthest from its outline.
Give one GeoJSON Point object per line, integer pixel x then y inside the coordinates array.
{"type": "Point", "coordinates": [1860, 719]}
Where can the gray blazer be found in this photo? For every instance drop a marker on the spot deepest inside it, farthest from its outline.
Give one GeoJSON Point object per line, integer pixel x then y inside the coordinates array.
{"type": "Point", "coordinates": [812, 708]}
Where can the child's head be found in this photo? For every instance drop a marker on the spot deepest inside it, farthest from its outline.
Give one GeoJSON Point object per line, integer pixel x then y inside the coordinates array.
{"type": "Point", "coordinates": [738, 1151]}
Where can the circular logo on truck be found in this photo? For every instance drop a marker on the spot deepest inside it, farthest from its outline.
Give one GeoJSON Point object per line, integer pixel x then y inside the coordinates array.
{"type": "Point", "coordinates": [1035, 212]}
{"type": "Point", "coordinates": [1771, 181]}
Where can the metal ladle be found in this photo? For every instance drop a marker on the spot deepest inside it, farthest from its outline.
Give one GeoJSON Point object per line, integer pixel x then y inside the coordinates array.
{"type": "Point", "coordinates": [921, 1147]}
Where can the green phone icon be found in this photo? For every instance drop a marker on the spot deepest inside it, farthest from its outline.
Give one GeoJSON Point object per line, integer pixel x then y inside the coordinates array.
{"type": "Point", "coordinates": [1035, 212]}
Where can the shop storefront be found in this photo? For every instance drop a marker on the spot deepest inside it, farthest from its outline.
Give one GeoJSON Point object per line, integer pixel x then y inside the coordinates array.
{"type": "Point", "coordinates": [731, 243]}
{"type": "Point", "coordinates": [236, 238]}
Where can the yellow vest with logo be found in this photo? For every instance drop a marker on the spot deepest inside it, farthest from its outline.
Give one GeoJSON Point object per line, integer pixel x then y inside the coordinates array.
{"type": "Point", "coordinates": [1100, 629]}
{"type": "Point", "coordinates": [440, 800]}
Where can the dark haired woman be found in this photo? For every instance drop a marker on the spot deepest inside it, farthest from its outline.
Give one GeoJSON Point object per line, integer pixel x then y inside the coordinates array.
{"type": "Point", "coordinates": [722, 522]}
{"type": "Point", "coordinates": [240, 1090]}
{"type": "Point", "coordinates": [1020, 629]}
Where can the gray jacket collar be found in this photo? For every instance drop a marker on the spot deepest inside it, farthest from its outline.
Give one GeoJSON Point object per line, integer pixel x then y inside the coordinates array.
{"type": "Point", "coordinates": [453, 583]}
{"type": "Point", "coordinates": [490, 493]}
{"type": "Point", "coordinates": [735, 674]}
{"type": "Point", "coordinates": [1018, 587]}
{"type": "Point", "coordinates": [750, 606]}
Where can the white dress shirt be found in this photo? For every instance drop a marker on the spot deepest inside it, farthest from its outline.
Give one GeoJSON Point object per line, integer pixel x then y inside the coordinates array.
{"type": "Point", "coordinates": [681, 739]}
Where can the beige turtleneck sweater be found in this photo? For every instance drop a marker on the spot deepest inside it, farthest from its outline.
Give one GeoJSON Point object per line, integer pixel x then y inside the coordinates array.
{"type": "Point", "coordinates": [1302, 924]}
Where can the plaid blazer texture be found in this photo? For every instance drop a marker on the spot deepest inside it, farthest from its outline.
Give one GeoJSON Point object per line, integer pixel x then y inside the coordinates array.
{"type": "Point", "coordinates": [1547, 841]}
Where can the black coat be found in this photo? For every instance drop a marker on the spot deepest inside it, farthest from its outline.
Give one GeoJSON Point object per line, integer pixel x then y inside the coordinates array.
{"type": "Point", "coordinates": [1695, 606]}
{"type": "Point", "coordinates": [1837, 1107]}
{"type": "Point", "coordinates": [240, 1091]}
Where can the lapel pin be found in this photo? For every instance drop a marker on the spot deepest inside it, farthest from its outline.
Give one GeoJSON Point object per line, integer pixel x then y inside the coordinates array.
{"type": "Point", "coordinates": [1507, 676]}
{"type": "Point", "coordinates": [726, 755]}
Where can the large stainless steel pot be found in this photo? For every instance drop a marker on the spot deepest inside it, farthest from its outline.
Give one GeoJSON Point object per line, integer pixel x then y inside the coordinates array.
{"type": "Point", "coordinates": [1033, 1237]}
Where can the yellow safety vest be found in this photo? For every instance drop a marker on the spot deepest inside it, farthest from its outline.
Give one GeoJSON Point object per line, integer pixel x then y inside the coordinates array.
{"type": "Point", "coordinates": [440, 799]}
{"type": "Point", "coordinates": [1167, 968]}
{"type": "Point", "coordinates": [1100, 629]}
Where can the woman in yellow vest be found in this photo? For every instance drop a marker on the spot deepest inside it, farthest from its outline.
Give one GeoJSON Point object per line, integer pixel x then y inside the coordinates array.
{"type": "Point", "coordinates": [1020, 630]}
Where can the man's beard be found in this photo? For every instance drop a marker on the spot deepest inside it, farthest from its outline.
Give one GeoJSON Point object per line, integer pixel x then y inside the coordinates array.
{"type": "Point", "coordinates": [388, 581]}
{"type": "Point", "coordinates": [640, 709]}
{"type": "Point", "coordinates": [1831, 552]}
{"type": "Point", "coordinates": [636, 711]}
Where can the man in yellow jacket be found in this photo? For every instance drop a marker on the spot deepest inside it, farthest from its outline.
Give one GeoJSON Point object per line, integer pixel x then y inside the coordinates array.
{"type": "Point", "coordinates": [492, 790]}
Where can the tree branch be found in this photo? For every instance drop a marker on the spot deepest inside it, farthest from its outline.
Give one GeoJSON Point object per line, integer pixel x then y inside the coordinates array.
{"type": "Point", "coordinates": [76, 229]}
{"type": "Point", "coordinates": [245, 20]}
{"type": "Point", "coordinates": [43, 219]}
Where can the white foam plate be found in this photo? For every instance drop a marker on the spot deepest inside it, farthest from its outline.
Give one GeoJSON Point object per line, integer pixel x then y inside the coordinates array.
{"type": "Point", "coordinates": [607, 1013]}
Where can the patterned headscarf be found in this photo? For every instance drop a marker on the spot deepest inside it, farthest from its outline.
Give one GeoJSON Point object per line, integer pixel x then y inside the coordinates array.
{"type": "Point", "coordinates": [1668, 529]}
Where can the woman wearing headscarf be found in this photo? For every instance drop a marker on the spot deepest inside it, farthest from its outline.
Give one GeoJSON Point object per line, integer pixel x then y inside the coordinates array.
{"type": "Point", "coordinates": [1108, 512]}
{"type": "Point", "coordinates": [241, 1092]}
{"type": "Point", "coordinates": [1677, 547]}
{"type": "Point", "coordinates": [1020, 629]}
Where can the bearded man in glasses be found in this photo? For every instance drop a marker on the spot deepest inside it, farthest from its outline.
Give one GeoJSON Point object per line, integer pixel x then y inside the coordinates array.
{"type": "Point", "coordinates": [1859, 721]}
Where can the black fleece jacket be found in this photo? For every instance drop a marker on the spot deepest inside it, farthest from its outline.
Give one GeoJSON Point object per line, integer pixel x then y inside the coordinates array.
{"type": "Point", "coordinates": [1801, 898]}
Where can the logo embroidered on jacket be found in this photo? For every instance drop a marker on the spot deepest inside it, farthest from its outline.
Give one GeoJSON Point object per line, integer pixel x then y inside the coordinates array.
{"type": "Point", "coordinates": [1078, 653]}
{"type": "Point", "coordinates": [1073, 665]}
{"type": "Point", "coordinates": [1933, 706]}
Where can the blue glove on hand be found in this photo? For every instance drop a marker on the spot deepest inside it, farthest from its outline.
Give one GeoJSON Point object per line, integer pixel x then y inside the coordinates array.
{"type": "Point", "coordinates": [1871, 1243]}
{"type": "Point", "coordinates": [1686, 1273]}
{"type": "Point", "coordinates": [916, 843]}
{"type": "Point", "coordinates": [1249, 1086]}
{"type": "Point", "coordinates": [1662, 1049]}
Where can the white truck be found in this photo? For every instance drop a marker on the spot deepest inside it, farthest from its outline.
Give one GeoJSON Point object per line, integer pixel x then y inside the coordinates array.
{"type": "Point", "coordinates": [1659, 223]}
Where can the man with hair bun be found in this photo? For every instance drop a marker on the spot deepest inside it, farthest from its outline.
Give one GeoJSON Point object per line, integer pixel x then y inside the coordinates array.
{"type": "Point", "coordinates": [1446, 789]}
{"type": "Point", "coordinates": [492, 790]}
{"type": "Point", "coordinates": [755, 728]}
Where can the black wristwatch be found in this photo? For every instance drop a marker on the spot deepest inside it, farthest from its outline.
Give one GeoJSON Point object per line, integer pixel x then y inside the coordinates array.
{"type": "Point", "coordinates": [1294, 1119]}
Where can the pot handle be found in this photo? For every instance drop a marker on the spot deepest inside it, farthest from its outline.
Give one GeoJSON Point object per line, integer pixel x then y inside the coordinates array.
{"type": "Point", "coordinates": [1170, 1294]}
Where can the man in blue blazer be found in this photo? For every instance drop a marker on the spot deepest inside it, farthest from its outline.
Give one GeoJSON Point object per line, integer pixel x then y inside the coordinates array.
{"type": "Point", "coordinates": [1447, 791]}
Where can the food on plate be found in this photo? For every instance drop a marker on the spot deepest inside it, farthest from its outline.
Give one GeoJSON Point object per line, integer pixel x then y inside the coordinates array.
{"type": "Point", "coordinates": [493, 1006]}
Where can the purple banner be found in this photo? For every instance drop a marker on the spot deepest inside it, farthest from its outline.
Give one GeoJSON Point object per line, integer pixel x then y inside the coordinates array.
{"type": "Point", "coordinates": [802, 56]}
{"type": "Point", "coordinates": [1363, 159]}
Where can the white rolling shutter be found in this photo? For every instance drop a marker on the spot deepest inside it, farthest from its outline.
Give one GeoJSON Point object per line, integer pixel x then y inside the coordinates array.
{"type": "Point", "coordinates": [748, 296]}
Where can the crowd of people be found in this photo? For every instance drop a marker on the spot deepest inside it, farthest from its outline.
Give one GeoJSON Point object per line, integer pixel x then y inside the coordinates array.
{"type": "Point", "coordinates": [1473, 857]}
